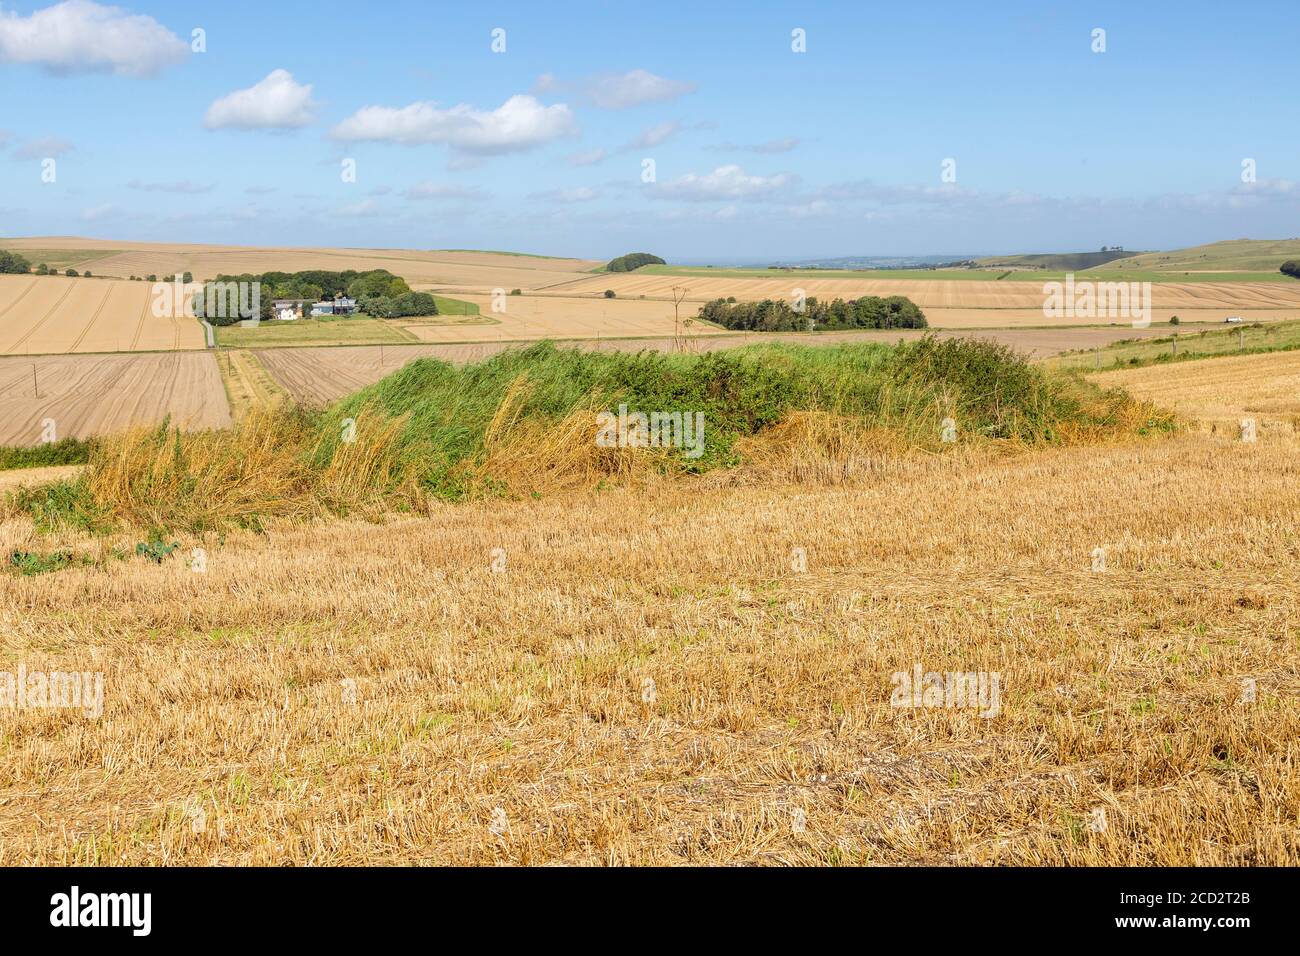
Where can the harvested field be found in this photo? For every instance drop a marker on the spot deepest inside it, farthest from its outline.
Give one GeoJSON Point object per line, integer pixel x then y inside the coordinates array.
{"type": "Point", "coordinates": [554, 317]}
{"type": "Point", "coordinates": [940, 293]}
{"type": "Point", "coordinates": [30, 477]}
{"type": "Point", "coordinates": [484, 270]}
{"type": "Point", "coordinates": [386, 711]}
{"type": "Point", "coordinates": [48, 315]}
{"type": "Point", "coordinates": [320, 375]}
{"type": "Point", "coordinates": [1222, 391]}
{"type": "Point", "coordinates": [94, 395]}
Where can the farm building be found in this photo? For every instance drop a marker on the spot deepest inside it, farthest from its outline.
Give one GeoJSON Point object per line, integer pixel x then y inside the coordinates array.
{"type": "Point", "coordinates": [286, 310]}
{"type": "Point", "coordinates": [339, 305]}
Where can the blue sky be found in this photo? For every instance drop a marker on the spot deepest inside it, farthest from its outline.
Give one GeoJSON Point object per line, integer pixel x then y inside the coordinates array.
{"type": "Point", "coordinates": [759, 152]}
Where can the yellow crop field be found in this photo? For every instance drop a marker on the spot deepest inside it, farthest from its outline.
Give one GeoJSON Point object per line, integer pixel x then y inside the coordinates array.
{"type": "Point", "coordinates": [525, 317]}
{"type": "Point", "coordinates": [85, 395]}
{"type": "Point", "coordinates": [41, 315]}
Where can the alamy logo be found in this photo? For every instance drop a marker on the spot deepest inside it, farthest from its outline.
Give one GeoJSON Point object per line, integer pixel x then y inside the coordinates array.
{"type": "Point", "coordinates": [683, 430]}
{"type": "Point", "coordinates": [1094, 300]}
{"type": "Point", "coordinates": [54, 690]}
{"type": "Point", "coordinates": [103, 909]}
{"type": "Point", "coordinates": [956, 689]}
{"type": "Point", "coordinates": [215, 300]}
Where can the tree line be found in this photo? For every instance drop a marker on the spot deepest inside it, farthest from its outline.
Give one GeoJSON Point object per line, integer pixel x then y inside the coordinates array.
{"type": "Point", "coordinates": [778, 315]}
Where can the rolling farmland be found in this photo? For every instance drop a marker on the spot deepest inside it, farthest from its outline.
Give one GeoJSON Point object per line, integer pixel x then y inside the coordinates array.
{"type": "Point", "coordinates": [934, 293]}
{"type": "Point", "coordinates": [45, 315]}
{"type": "Point", "coordinates": [486, 270]}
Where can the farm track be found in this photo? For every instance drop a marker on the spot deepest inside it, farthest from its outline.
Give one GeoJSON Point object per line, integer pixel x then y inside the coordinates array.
{"type": "Point", "coordinates": [45, 318]}
{"type": "Point", "coordinates": [93, 319]}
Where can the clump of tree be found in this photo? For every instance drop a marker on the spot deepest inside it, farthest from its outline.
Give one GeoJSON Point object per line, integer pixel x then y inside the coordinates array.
{"type": "Point", "coordinates": [610, 293]}
{"type": "Point", "coordinates": [778, 315]}
{"type": "Point", "coordinates": [632, 261]}
{"type": "Point", "coordinates": [1291, 268]}
{"type": "Point", "coordinates": [12, 262]}
{"type": "Point", "coordinates": [42, 269]}
{"type": "Point", "coordinates": [70, 273]}
{"type": "Point", "coordinates": [398, 306]}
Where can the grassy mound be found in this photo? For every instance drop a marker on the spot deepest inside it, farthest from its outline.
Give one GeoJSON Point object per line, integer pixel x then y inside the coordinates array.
{"type": "Point", "coordinates": [525, 421]}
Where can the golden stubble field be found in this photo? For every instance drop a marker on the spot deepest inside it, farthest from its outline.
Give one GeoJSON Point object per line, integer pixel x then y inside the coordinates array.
{"type": "Point", "coordinates": [957, 294]}
{"type": "Point", "coordinates": [644, 675]}
{"type": "Point", "coordinates": [485, 270]}
{"type": "Point", "coordinates": [42, 315]}
{"type": "Point", "coordinates": [84, 395]}
{"type": "Point", "coordinates": [1221, 392]}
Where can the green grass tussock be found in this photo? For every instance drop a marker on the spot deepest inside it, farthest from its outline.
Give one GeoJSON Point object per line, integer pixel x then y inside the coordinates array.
{"type": "Point", "coordinates": [524, 421]}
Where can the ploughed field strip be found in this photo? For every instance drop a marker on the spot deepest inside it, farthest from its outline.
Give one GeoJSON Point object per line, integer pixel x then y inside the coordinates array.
{"type": "Point", "coordinates": [85, 395]}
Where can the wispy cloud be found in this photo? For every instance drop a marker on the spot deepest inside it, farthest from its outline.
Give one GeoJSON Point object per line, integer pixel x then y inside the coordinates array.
{"type": "Point", "coordinates": [181, 186]}
{"type": "Point", "coordinates": [653, 136]}
{"type": "Point", "coordinates": [588, 157]}
{"type": "Point", "coordinates": [724, 183]}
{"type": "Point", "coordinates": [578, 194]}
{"type": "Point", "coordinates": [617, 91]}
{"type": "Point", "coordinates": [782, 145]}
{"type": "Point", "coordinates": [46, 147]}
{"type": "Point", "coordinates": [444, 191]}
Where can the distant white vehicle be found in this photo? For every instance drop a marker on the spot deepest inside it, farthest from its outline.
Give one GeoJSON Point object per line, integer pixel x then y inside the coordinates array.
{"type": "Point", "coordinates": [1234, 318]}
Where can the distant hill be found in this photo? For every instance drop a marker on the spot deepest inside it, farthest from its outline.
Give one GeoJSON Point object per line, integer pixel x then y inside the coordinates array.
{"type": "Point", "coordinates": [1067, 261]}
{"type": "Point", "coordinates": [1235, 255]}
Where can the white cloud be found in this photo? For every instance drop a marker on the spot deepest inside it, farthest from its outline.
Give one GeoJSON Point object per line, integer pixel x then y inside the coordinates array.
{"type": "Point", "coordinates": [520, 123]}
{"type": "Point", "coordinates": [724, 183]}
{"type": "Point", "coordinates": [578, 194]}
{"type": "Point", "coordinates": [181, 186]}
{"type": "Point", "coordinates": [617, 91]}
{"type": "Point", "coordinates": [44, 148]}
{"type": "Point", "coordinates": [79, 36]}
{"type": "Point", "coordinates": [443, 191]}
{"type": "Point", "coordinates": [589, 157]}
{"type": "Point", "coordinates": [654, 135]}
{"type": "Point", "coordinates": [277, 102]}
